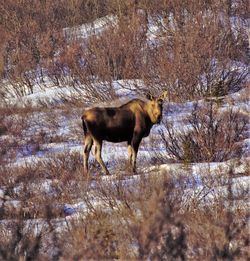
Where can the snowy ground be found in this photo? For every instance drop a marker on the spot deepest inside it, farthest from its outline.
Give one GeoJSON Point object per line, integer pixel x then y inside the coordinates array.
{"type": "Point", "coordinates": [174, 113]}
{"type": "Point", "coordinates": [113, 153]}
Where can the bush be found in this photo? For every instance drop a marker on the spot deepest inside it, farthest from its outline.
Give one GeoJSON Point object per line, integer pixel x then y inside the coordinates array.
{"type": "Point", "coordinates": [214, 135]}
{"type": "Point", "coordinates": [197, 49]}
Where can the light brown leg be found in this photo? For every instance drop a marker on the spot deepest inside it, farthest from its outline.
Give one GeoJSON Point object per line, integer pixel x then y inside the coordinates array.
{"type": "Point", "coordinates": [134, 155]}
{"type": "Point", "coordinates": [137, 137]}
{"type": "Point", "coordinates": [98, 150]}
{"type": "Point", "coordinates": [132, 158]}
{"type": "Point", "coordinates": [130, 152]}
{"type": "Point", "coordinates": [88, 142]}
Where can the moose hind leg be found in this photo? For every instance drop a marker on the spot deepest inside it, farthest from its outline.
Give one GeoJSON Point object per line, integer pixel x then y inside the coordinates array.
{"type": "Point", "coordinates": [88, 142]}
{"type": "Point", "coordinates": [98, 150]}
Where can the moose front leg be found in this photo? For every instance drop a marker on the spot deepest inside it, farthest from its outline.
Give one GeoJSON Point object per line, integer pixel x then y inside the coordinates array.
{"type": "Point", "coordinates": [131, 158]}
{"type": "Point", "coordinates": [130, 152]}
{"type": "Point", "coordinates": [137, 137]}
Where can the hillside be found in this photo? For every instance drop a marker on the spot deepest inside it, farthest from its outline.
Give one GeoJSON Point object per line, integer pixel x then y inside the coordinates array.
{"type": "Point", "coordinates": [189, 199]}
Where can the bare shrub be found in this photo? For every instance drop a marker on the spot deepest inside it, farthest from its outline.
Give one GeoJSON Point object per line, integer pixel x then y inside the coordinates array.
{"type": "Point", "coordinates": [213, 135]}
{"type": "Point", "coordinates": [196, 53]}
{"type": "Point", "coordinates": [28, 190]}
{"type": "Point", "coordinates": [143, 217]}
{"type": "Point", "coordinates": [220, 230]}
{"type": "Point", "coordinates": [199, 48]}
{"type": "Point", "coordinates": [33, 37]}
{"type": "Point", "coordinates": [93, 237]}
{"type": "Point", "coordinates": [160, 233]}
{"type": "Point", "coordinates": [20, 244]}
{"type": "Point", "coordinates": [115, 53]}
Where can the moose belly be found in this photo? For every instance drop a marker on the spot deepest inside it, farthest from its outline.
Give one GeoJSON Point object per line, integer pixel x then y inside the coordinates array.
{"type": "Point", "coordinates": [117, 135]}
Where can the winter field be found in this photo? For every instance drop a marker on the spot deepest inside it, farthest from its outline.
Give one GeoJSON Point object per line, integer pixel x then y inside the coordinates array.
{"type": "Point", "coordinates": [189, 199]}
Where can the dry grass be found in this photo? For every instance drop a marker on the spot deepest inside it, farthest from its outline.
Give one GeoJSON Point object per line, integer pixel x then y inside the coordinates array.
{"type": "Point", "coordinates": [150, 216]}
{"type": "Point", "coordinates": [193, 53]}
{"type": "Point", "coordinates": [214, 135]}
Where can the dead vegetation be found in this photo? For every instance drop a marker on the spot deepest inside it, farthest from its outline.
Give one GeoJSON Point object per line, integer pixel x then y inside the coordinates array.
{"type": "Point", "coordinates": [124, 224]}
{"type": "Point", "coordinates": [196, 51]}
{"type": "Point", "coordinates": [194, 54]}
{"type": "Point", "coordinates": [212, 135]}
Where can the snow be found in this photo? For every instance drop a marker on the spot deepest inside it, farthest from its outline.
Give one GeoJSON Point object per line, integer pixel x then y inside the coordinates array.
{"type": "Point", "coordinates": [174, 113]}
{"type": "Point", "coordinates": [238, 24]}
{"type": "Point", "coordinates": [48, 95]}
{"type": "Point", "coordinates": [54, 95]}
{"type": "Point", "coordinates": [94, 28]}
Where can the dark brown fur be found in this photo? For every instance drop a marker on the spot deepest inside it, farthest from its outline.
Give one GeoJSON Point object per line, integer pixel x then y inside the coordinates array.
{"type": "Point", "coordinates": [129, 122]}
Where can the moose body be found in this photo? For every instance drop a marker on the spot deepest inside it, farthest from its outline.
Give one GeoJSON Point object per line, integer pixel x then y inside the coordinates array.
{"type": "Point", "coordinates": [129, 122]}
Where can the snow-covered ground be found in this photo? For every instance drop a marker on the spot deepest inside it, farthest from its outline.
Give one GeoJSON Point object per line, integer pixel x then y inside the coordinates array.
{"type": "Point", "coordinates": [175, 113]}
{"type": "Point", "coordinates": [86, 30]}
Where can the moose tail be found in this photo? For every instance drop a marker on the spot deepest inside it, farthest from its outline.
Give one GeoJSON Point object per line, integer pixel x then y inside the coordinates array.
{"type": "Point", "coordinates": [84, 126]}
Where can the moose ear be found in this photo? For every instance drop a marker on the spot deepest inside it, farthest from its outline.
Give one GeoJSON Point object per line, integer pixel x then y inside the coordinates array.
{"type": "Point", "coordinates": [163, 96]}
{"type": "Point", "coordinates": [160, 100]}
{"type": "Point", "coordinates": [150, 97]}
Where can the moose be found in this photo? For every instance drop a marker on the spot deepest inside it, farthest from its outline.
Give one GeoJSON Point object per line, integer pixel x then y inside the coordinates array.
{"type": "Point", "coordinates": [130, 122]}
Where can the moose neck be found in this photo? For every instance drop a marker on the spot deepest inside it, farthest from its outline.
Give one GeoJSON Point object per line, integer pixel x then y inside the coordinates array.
{"type": "Point", "coordinates": [150, 113]}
